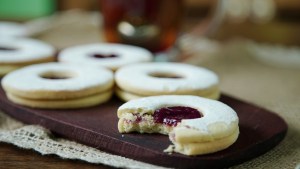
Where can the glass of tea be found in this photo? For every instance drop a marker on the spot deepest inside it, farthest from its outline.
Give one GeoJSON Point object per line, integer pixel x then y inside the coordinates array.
{"type": "Point", "coordinates": [152, 24]}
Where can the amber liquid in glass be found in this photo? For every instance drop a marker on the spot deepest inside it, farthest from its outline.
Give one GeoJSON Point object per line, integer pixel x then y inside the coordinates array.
{"type": "Point", "coordinates": [152, 24]}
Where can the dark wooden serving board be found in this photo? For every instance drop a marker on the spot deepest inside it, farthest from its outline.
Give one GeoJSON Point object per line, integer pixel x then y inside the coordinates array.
{"type": "Point", "coordinates": [260, 130]}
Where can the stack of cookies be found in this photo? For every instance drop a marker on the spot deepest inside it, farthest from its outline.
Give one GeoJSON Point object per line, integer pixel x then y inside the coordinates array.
{"type": "Point", "coordinates": [109, 55]}
{"type": "Point", "coordinates": [59, 86]}
{"type": "Point", "coordinates": [149, 79]}
{"type": "Point", "coordinates": [195, 125]}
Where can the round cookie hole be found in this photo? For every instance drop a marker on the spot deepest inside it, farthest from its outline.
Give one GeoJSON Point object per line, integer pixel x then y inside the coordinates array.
{"type": "Point", "coordinates": [104, 56]}
{"type": "Point", "coordinates": [5, 48]}
{"type": "Point", "coordinates": [57, 75]}
{"type": "Point", "coordinates": [165, 75]}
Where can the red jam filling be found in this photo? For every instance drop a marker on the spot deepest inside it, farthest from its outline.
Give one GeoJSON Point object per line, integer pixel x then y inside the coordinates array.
{"type": "Point", "coordinates": [138, 119]}
{"type": "Point", "coordinates": [103, 56]}
{"type": "Point", "coordinates": [171, 116]}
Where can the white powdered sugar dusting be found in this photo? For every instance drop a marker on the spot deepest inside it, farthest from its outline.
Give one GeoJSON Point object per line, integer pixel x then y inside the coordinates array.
{"type": "Point", "coordinates": [213, 111]}
{"type": "Point", "coordinates": [29, 78]}
{"type": "Point", "coordinates": [125, 54]}
{"type": "Point", "coordinates": [12, 29]}
{"type": "Point", "coordinates": [138, 77]}
{"type": "Point", "coordinates": [24, 49]}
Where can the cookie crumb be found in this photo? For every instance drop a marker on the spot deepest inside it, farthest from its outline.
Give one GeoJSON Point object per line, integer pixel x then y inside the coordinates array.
{"type": "Point", "coordinates": [170, 149]}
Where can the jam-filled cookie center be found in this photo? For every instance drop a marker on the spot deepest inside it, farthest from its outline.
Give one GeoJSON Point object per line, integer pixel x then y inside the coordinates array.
{"type": "Point", "coordinates": [104, 56]}
{"type": "Point", "coordinates": [167, 75]}
{"type": "Point", "coordinates": [57, 75]}
{"type": "Point", "coordinates": [171, 116]}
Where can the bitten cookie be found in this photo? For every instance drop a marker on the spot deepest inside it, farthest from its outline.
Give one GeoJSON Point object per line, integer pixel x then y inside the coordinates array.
{"type": "Point", "coordinates": [148, 79]}
{"type": "Point", "coordinates": [109, 55]}
{"type": "Point", "coordinates": [59, 85]}
{"type": "Point", "coordinates": [195, 125]}
{"type": "Point", "coordinates": [19, 52]}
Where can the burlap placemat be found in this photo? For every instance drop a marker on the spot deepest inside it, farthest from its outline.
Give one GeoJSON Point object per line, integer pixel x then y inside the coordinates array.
{"type": "Point", "coordinates": [273, 88]}
{"type": "Point", "coordinates": [276, 89]}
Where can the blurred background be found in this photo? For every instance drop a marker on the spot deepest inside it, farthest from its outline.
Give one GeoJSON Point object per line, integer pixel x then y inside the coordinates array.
{"type": "Point", "coordinates": [279, 23]}
{"type": "Point", "coordinates": [275, 22]}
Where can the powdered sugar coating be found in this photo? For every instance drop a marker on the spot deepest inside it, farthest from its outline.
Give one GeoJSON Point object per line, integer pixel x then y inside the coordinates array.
{"type": "Point", "coordinates": [29, 78]}
{"type": "Point", "coordinates": [126, 54]}
{"type": "Point", "coordinates": [12, 29]}
{"type": "Point", "coordinates": [138, 77]}
{"type": "Point", "coordinates": [24, 50]}
{"type": "Point", "coordinates": [213, 111]}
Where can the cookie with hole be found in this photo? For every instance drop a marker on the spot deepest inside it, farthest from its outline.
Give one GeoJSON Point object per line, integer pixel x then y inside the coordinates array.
{"type": "Point", "coordinates": [109, 55]}
{"type": "Point", "coordinates": [59, 85]}
{"type": "Point", "coordinates": [195, 125]}
{"type": "Point", "coordinates": [165, 78]}
{"type": "Point", "coordinates": [19, 52]}
{"type": "Point", "coordinates": [13, 29]}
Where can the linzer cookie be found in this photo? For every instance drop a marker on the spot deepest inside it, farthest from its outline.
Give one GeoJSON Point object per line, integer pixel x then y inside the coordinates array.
{"type": "Point", "coordinates": [148, 79]}
{"type": "Point", "coordinates": [195, 125]}
{"type": "Point", "coordinates": [13, 29]}
{"type": "Point", "coordinates": [109, 55]}
{"type": "Point", "coordinates": [19, 52]}
{"type": "Point", "coordinates": [59, 86]}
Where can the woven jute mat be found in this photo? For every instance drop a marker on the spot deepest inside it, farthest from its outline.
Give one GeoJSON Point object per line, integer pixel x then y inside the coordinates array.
{"type": "Point", "coordinates": [271, 87]}
{"type": "Point", "coordinates": [241, 76]}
